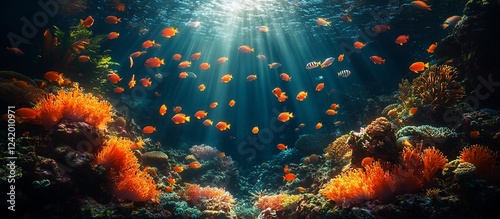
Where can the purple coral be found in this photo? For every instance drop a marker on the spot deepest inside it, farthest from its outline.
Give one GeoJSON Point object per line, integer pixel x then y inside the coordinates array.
{"type": "Point", "coordinates": [203, 152]}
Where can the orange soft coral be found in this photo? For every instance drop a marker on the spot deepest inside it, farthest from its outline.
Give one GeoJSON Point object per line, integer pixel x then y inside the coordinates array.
{"type": "Point", "coordinates": [483, 158]}
{"type": "Point", "coordinates": [129, 181]}
{"type": "Point", "coordinates": [73, 105]}
{"type": "Point", "coordinates": [209, 198]}
{"type": "Point", "coordinates": [273, 202]}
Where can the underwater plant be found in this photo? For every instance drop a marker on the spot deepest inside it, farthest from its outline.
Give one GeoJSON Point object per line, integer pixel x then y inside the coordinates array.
{"type": "Point", "coordinates": [484, 159]}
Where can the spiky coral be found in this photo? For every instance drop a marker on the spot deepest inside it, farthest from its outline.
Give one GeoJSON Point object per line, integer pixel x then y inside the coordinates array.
{"type": "Point", "coordinates": [484, 159]}
{"type": "Point", "coordinates": [129, 181]}
{"type": "Point", "coordinates": [338, 149]}
{"type": "Point", "coordinates": [273, 202]}
{"type": "Point", "coordinates": [209, 198]}
{"type": "Point", "coordinates": [73, 105]}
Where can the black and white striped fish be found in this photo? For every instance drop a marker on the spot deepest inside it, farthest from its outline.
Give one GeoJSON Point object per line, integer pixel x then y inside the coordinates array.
{"type": "Point", "coordinates": [344, 73]}
{"type": "Point", "coordinates": [312, 65]}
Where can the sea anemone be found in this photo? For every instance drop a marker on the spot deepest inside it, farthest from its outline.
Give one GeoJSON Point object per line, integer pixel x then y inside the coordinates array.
{"type": "Point", "coordinates": [483, 158]}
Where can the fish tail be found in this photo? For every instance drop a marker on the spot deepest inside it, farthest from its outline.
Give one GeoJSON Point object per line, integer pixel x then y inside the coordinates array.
{"type": "Point", "coordinates": [131, 61]}
{"type": "Point", "coordinates": [426, 65]}
{"type": "Point", "coordinates": [188, 118]}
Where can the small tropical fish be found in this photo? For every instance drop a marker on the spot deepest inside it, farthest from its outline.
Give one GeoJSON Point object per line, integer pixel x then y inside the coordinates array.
{"type": "Point", "coordinates": [453, 20]}
{"type": "Point", "coordinates": [337, 123]}
{"type": "Point", "coordinates": [177, 57]}
{"type": "Point", "coordinates": [402, 39]}
{"type": "Point", "coordinates": [112, 20]}
{"type": "Point", "coordinates": [274, 65]}
{"type": "Point", "coordinates": [53, 76]}
{"type": "Point", "coordinates": [281, 146]}
{"type": "Point", "coordinates": [381, 28]}
{"type": "Point", "coordinates": [180, 118]}
{"type": "Point", "coordinates": [320, 86]}
{"type": "Point", "coordinates": [277, 91]}
{"type": "Point", "coordinates": [420, 5]}
{"type": "Point", "coordinates": [328, 61]}
{"type": "Point", "coordinates": [251, 78]}
{"type": "Point", "coordinates": [245, 49]}
{"type": "Point", "coordinates": [118, 90]}
{"type": "Point", "coordinates": [285, 77]}
{"type": "Point", "coordinates": [331, 112]}
{"type": "Point", "coordinates": [319, 125]}
{"type": "Point", "coordinates": [301, 96]}
{"type": "Point", "coordinates": [344, 73]}
{"type": "Point", "coordinates": [474, 134]}
{"type": "Point", "coordinates": [193, 24]}
{"type": "Point", "coordinates": [83, 59]}
{"type": "Point", "coordinates": [177, 109]}
{"type": "Point", "coordinates": [88, 22]}
{"type": "Point", "coordinates": [148, 129]}
{"type": "Point", "coordinates": [282, 97]}
{"type": "Point", "coordinates": [261, 57]}
{"type": "Point", "coordinates": [178, 169]}
{"type": "Point", "coordinates": [340, 58]}
{"type": "Point", "coordinates": [377, 60]}
{"type": "Point", "coordinates": [148, 44]}
{"type": "Point", "coordinates": [222, 60]}
{"type": "Point", "coordinates": [26, 113]}
{"type": "Point", "coordinates": [222, 126]}
{"type": "Point", "coordinates": [412, 111]}
{"type": "Point", "coordinates": [286, 169]}
{"type": "Point", "coordinates": [132, 81]}
{"type": "Point", "coordinates": [135, 55]}
{"type": "Point", "coordinates": [213, 105]}
{"type": "Point", "coordinates": [232, 103]}
{"type": "Point", "coordinates": [169, 32]}
{"type": "Point", "coordinates": [195, 56]}
{"type": "Point", "coordinates": [185, 64]}
{"type": "Point", "coordinates": [418, 66]}
{"type": "Point", "coordinates": [204, 66]}
{"type": "Point", "coordinates": [145, 82]}
{"type": "Point", "coordinates": [345, 18]}
{"type": "Point", "coordinates": [15, 51]}
{"type": "Point", "coordinates": [114, 78]}
{"type": "Point", "coordinates": [154, 62]}
{"type": "Point", "coordinates": [201, 87]}
{"type": "Point", "coordinates": [289, 177]}
{"type": "Point", "coordinates": [113, 35]}
{"type": "Point", "coordinates": [255, 130]}
{"type": "Point", "coordinates": [312, 65]}
{"type": "Point", "coordinates": [323, 22]}
{"type": "Point", "coordinates": [226, 78]}
{"type": "Point", "coordinates": [359, 45]}
{"type": "Point", "coordinates": [157, 94]}
{"type": "Point", "coordinates": [263, 29]}
{"type": "Point", "coordinates": [171, 181]}
{"type": "Point", "coordinates": [367, 161]}
{"type": "Point", "coordinates": [285, 116]}
{"type": "Point", "coordinates": [157, 45]}
{"type": "Point", "coordinates": [431, 48]}
{"type": "Point", "coordinates": [319, 78]}
{"type": "Point", "coordinates": [200, 114]}
{"type": "Point", "coordinates": [195, 165]}
{"type": "Point", "coordinates": [301, 189]}
{"type": "Point", "coordinates": [334, 106]}
{"type": "Point", "coordinates": [207, 122]}
{"type": "Point", "coordinates": [163, 109]}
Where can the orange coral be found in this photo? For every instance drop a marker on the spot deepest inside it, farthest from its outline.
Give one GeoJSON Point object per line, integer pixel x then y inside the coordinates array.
{"type": "Point", "coordinates": [129, 181]}
{"type": "Point", "coordinates": [209, 198]}
{"type": "Point", "coordinates": [73, 105]}
{"type": "Point", "coordinates": [273, 202]}
{"type": "Point", "coordinates": [483, 158]}
{"type": "Point", "coordinates": [433, 161]}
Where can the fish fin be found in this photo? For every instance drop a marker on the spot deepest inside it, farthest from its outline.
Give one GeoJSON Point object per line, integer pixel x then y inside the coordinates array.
{"type": "Point", "coordinates": [228, 126]}
{"type": "Point", "coordinates": [188, 118]}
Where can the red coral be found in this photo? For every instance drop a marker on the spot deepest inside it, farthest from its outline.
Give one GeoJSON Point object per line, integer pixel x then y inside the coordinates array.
{"type": "Point", "coordinates": [483, 158]}
{"type": "Point", "coordinates": [379, 127]}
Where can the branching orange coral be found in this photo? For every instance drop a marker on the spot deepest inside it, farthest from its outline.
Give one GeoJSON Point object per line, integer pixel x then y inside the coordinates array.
{"type": "Point", "coordinates": [129, 181]}
{"type": "Point", "coordinates": [274, 202]}
{"type": "Point", "coordinates": [483, 158]}
{"type": "Point", "coordinates": [73, 105]}
{"type": "Point", "coordinates": [209, 198]}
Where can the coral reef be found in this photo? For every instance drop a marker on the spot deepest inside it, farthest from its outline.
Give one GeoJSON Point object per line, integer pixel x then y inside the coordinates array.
{"type": "Point", "coordinates": [14, 91]}
{"type": "Point", "coordinates": [203, 152]}
{"type": "Point", "coordinates": [484, 161]}
{"type": "Point", "coordinates": [313, 143]}
{"type": "Point", "coordinates": [209, 198]}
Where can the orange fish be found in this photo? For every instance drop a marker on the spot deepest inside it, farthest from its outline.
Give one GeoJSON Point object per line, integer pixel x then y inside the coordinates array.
{"type": "Point", "coordinates": [402, 39]}
{"type": "Point", "coordinates": [195, 165]}
{"type": "Point", "coordinates": [157, 94]}
{"type": "Point", "coordinates": [453, 20]}
{"type": "Point", "coordinates": [222, 126]}
{"type": "Point", "coordinates": [114, 78]}
{"type": "Point", "coordinates": [221, 60]}
{"type": "Point", "coordinates": [281, 146]}
{"type": "Point", "coordinates": [334, 106]}
{"type": "Point", "coordinates": [53, 76]}
{"type": "Point", "coordinates": [201, 87]}
{"type": "Point", "coordinates": [286, 169]}
{"type": "Point", "coordinates": [118, 90]}
{"type": "Point", "coordinates": [367, 161]}
{"type": "Point", "coordinates": [178, 169]}
{"type": "Point", "coordinates": [331, 112]}
{"type": "Point", "coordinates": [171, 181]}
{"type": "Point", "coordinates": [346, 18]}
{"type": "Point", "coordinates": [207, 122]}
{"type": "Point", "coordinates": [26, 113]}
{"type": "Point", "coordinates": [377, 60]}
{"type": "Point", "coordinates": [79, 45]}
{"type": "Point", "coordinates": [301, 96]}
{"type": "Point", "coordinates": [277, 91]}
{"type": "Point", "coordinates": [213, 105]}
{"type": "Point", "coordinates": [380, 28]}
{"type": "Point", "coordinates": [285, 77]}
{"type": "Point", "coordinates": [251, 78]}
{"type": "Point", "coordinates": [221, 155]}
{"type": "Point", "coordinates": [289, 177]}
{"type": "Point", "coordinates": [183, 75]}
{"type": "Point", "coordinates": [285, 116]}
{"type": "Point", "coordinates": [83, 59]}
{"type": "Point", "coordinates": [323, 22]}
{"type": "Point", "coordinates": [204, 66]}
{"type": "Point", "coordinates": [255, 130]}
{"type": "Point", "coordinates": [196, 56]}
{"type": "Point", "coordinates": [319, 125]}
{"type": "Point", "coordinates": [135, 55]}
{"type": "Point", "coordinates": [474, 134]}
{"type": "Point", "coordinates": [163, 109]}
{"type": "Point", "coordinates": [169, 32]}
{"type": "Point", "coordinates": [157, 45]}
{"type": "Point", "coordinates": [185, 64]}
{"type": "Point", "coordinates": [112, 20]}
{"type": "Point", "coordinates": [113, 35]}
{"type": "Point", "coordinates": [132, 81]}
{"type": "Point", "coordinates": [274, 65]}
{"type": "Point", "coordinates": [200, 114]}
{"type": "Point", "coordinates": [148, 44]}
{"type": "Point", "coordinates": [263, 29]}
{"type": "Point", "coordinates": [431, 48]}
{"type": "Point", "coordinates": [180, 118]}
{"type": "Point", "coordinates": [282, 97]}
{"type": "Point", "coordinates": [421, 5]}
{"type": "Point", "coordinates": [418, 66]}
{"type": "Point", "coordinates": [169, 189]}
{"type": "Point", "coordinates": [177, 57]}
{"type": "Point", "coordinates": [148, 129]}
{"type": "Point", "coordinates": [412, 111]}
{"type": "Point", "coordinates": [145, 82]}
{"type": "Point", "coordinates": [245, 49]}
{"type": "Point", "coordinates": [301, 189]}
{"type": "Point", "coordinates": [154, 62]}
{"type": "Point", "coordinates": [232, 103]}
{"type": "Point", "coordinates": [15, 51]}
{"type": "Point", "coordinates": [340, 58]}
{"type": "Point", "coordinates": [359, 45]}
{"type": "Point", "coordinates": [320, 86]}
{"type": "Point", "coordinates": [226, 78]}
{"type": "Point", "coordinates": [177, 109]}
{"type": "Point", "coordinates": [88, 22]}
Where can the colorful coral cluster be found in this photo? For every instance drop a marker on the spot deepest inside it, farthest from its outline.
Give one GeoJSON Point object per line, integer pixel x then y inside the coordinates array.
{"type": "Point", "coordinates": [203, 152]}
{"type": "Point", "coordinates": [484, 160]}
{"type": "Point", "coordinates": [209, 198]}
